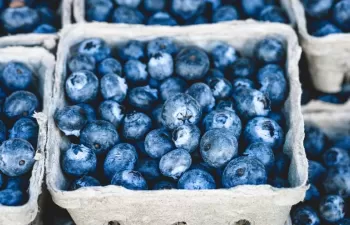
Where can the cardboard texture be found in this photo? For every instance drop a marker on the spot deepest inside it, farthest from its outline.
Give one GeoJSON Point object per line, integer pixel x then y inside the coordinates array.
{"type": "Point", "coordinates": [42, 63]}
{"type": "Point", "coordinates": [315, 106]}
{"type": "Point", "coordinates": [112, 204]}
{"type": "Point", "coordinates": [327, 56]}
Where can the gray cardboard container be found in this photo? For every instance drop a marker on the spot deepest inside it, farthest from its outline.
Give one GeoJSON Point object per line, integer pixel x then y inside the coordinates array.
{"type": "Point", "coordinates": [327, 56]}
{"type": "Point", "coordinates": [42, 63]}
{"type": "Point", "coordinates": [317, 106]}
{"type": "Point", "coordinates": [260, 205]}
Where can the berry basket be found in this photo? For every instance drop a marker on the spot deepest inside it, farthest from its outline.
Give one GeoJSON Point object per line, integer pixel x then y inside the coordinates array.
{"type": "Point", "coordinates": [41, 62]}
{"type": "Point", "coordinates": [319, 106]}
{"type": "Point", "coordinates": [239, 205]}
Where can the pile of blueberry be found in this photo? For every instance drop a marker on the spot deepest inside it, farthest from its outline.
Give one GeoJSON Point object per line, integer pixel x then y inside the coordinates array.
{"type": "Point", "coordinates": [182, 12]}
{"type": "Point", "coordinates": [326, 17]}
{"type": "Point", "coordinates": [327, 200]}
{"type": "Point", "coordinates": [164, 116]}
{"type": "Point", "coordinates": [18, 144]}
{"type": "Point", "coordinates": [28, 16]}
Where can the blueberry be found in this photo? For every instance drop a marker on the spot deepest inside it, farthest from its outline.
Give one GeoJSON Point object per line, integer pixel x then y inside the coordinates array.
{"type": "Point", "coordinates": [3, 96]}
{"type": "Point", "coordinates": [187, 137]}
{"type": "Point", "coordinates": [45, 29]}
{"type": "Point", "coordinates": [149, 168]}
{"type": "Point", "coordinates": [330, 98]}
{"type": "Point", "coordinates": [127, 15]}
{"type": "Point", "coordinates": [316, 172]}
{"type": "Point", "coordinates": [10, 197]}
{"type": "Point", "coordinates": [270, 50]}
{"type": "Point", "coordinates": [171, 86]}
{"type": "Point", "coordinates": [317, 8]}
{"type": "Point", "coordinates": [3, 132]}
{"type": "Point", "coordinates": [18, 183]}
{"type": "Point", "coordinates": [213, 74]}
{"type": "Point", "coordinates": [223, 55]}
{"type": "Point", "coordinates": [98, 10]}
{"type": "Point", "coordinates": [244, 83]}
{"type": "Point", "coordinates": [157, 116]}
{"type": "Point", "coordinates": [143, 98]}
{"type": "Point", "coordinates": [341, 14]}
{"type": "Point", "coordinates": [132, 50]}
{"type": "Point", "coordinates": [121, 157]}
{"type": "Point", "coordinates": [223, 119]}
{"type": "Point", "coordinates": [99, 135]}
{"type": "Point", "coordinates": [81, 62]}
{"type": "Point", "coordinates": [345, 221]}
{"type": "Point", "coordinates": [305, 215]}
{"type": "Point", "coordinates": [85, 181]}
{"type": "Point", "coordinates": [78, 160]}
{"type": "Point", "coordinates": [82, 86]}
{"type": "Point", "coordinates": [164, 185]}
{"type": "Point", "coordinates": [47, 15]}
{"type": "Point", "coordinates": [154, 5]}
{"type": "Point", "coordinates": [19, 20]}
{"type": "Point", "coordinates": [337, 181]}
{"type": "Point", "coordinates": [70, 120]}
{"type": "Point", "coordinates": [196, 179]}
{"type": "Point", "coordinates": [130, 179]}
{"type": "Point", "coordinates": [20, 104]}
{"type": "Point", "coordinates": [203, 95]}
{"type": "Point", "coordinates": [332, 208]}
{"type": "Point", "coordinates": [153, 83]}
{"type": "Point", "coordinates": [112, 112]}
{"type": "Point", "coordinates": [278, 182]}
{"type": "Point", "coordinates": [135, 71]}
{"type": "Point", "coordinates": [160, 66]}
{"type": "Point", "coordinates": [217, 148]}
{"type": "Point", "coordinates": [95, 47]}
{"type": "Point", "coordinates": [16, 76]}
{"type": "Point", "coordinates": [109, 65]}
{"type": "Point", "coordinates": [343, 143]}
{"type": "Point", "coordinates": [314, 141]}
{"type": "Point", "coordinates": [191, 63]}
{"type": "Point", "coordinates": [16, 157]}
{"type": "Point", "coordinates": [282, 162]}
{"type": "Point", "coordinates": [27, 129]}
{"type": "Point", "coordinates": [251, 103]}
{"type": "Point", "coordinates": [162, 44]}
{"type": "Point", "coordinates": [323, 28]}
{"type": "Point", "coordinates": [181, 109]}
{"type": "Point", "coordinates": [199, 20]}
{"type": "Point", "coordinates": [186, 9]}
{"type": "Point", "coordinates": [273, 14]}
{"type": "Point", "coordinates": [312, 194]}
{"type": "Point", "coordinates": [242, 68]}
{"type": "Point", "coordinates": [129, 3]}
{"type": "Point", "coordinates": [253, 7]}
{"type": "Point", "coordinates": [174, 163]}
{"type": "Point", "coordinates": [136, 125]}
{"type": "Point", "coordinates": [225, 105]}
{"type": "Point", "coordinates": [225, 13]}
{"type": "Point", "coordinates": [336, 157]}
{"type": "Point", "coordinates": [261, 129]}
{"type": "Point", "coordinates": [89, 111]}
{"type": "Point", "coordinates": [158, 142]}
{"type": "Point", "coordinates": [273, 83]}
{"type": "Point", "coordinates": [278, 117]}
{"type": "Point", "coordinates": [162, 18]}
{"type": "Point", "coordinates": [262, 152]}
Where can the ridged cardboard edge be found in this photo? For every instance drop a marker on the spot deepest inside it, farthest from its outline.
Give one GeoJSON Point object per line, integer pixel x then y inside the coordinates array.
{"type": "Point", "coordinates": [42, 62]}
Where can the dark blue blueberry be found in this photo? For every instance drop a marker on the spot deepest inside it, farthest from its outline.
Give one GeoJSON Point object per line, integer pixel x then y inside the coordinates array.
{"type": "Point", "coordinates": [261, 129]}
{"type": "Point", "coordinates": [12, 197]}
{"type": "Point", "coordinates": [187, 137]}
{"type": "Point", "coordinates": [27, 129]}
{"type": "Point", "coordinates": [338, 181]}
{"type": "Point", "coordinates": [314, 141]}
{"type": "Point", "coordinates": [201, 19]}
{"type": "Point", "coordinates": [128, 3]}
{"type": "Point", "coordinates": [213, 74]}
{"type": "Point", "coordinates": [158, 142]}
{"type": "Point", "coordinates": [112, 112]}
{"type": "Point", "coordinates": [3, 96]}
{"type": "Point", "coordinates": [162, 44]}
{"type": "Point", "coordinates": [19, 20]}
{"type": "Point", "coordinates": [175, 163]}
{"type": "Point", "coordinates": [98, 10]}
{"type": "Point", "coordinates": [2, 179]}
{"type": "Point", "coordinates": [186, 9]}
{"type": "Point", "coordinates": [143, 98]}
{"type": "Point", "coordinates": [251, 103]}
{"type": "Point", "coordinates": [345, 221]}
{"type": "Point", "coordinates": [316, 172]}
{"type": "Point", "coordinates": [196, 179]}
{"type": "Point", "coordinates": [132, 50]}
{"type": "Point", "coordinates": [99, 135]}
{"type": "Point", "coordinates": [341, 15]}
{"type": "Point", "coordinates": [81, 62]}
{"type": "Point", "coordinates": [95, 47]}
{"type": "Point", "coordinates": [19, 183]}
{"type": "Point", "coordinates": [136, 125]}
{"type": "Point", "coordinates": [71, 119]}
{"type": "Point", "coordinates": [214, 4]}
{"type": "Point", "coordinates": [282, 162]}
{"type": "Point", "coordinates": [243, 68]}
{"type": "Point", "coordinates": [164, 185]}
{"type": "Point", "coordinates": [157, 116]}
{"type": "Point", "coordinates": [46, 14]}
{"type": "Point", "coordinates": [130, 179]}
{"type": "Point", "coordinates": [270, 50]}
{"type": "Point", "coordinates": [109, 65]}
{"type": "Point", "coordinates": [225, 105]}
{"type": "Point", "coordinates": [278, 117]}
{"type": "Point", "coordinates": [252, 8]}
{"type": "Point", "coordinates": [203, 95]}
{"type": "Point", "coordinates": [225, 13]}
{"type": "Point", "coordinates": [218, 148]}
{"type": "Point", "coordinates": [160, 66]}
{"type": "Point", "coordinates": [317, 8]}
{"type": "Point", "coordinates": [244, 83]}
{"type": "Point", "coordinates": [149, 168]}
{"type": "Point", "coordinates": [162, 18]}
{"type": "Point", "coordinates": [343, 143]}
{"type": "Point", "coordinates": [16, 157]}
{"type": "Point", "coordinates": [191, 63]}
{"type": "Point", "coordinates": [16, 76]}
{"type": "Point", "coordinates": [154, 5]}
{"type": "Point", "coordinates": [85, 181]}
{"type": "Point", "coordinates": [312, 194]}
{"type": "Point", "coordinates": [325, 28]}
{"type": "Point", "coordinates": [127, 15]}
{"type": "Point", "coordinates": [223, 55]}
{"type": "Point", "coordinates": [82, 86]}
{"type": "Point", "coordinates": [3, 132]}
{"type": "Point", "coordinates": [20, 104]}
{"type": "Point", "coordinates": [78, 160]}
{"type": "Point", "coordinates": [135, 72]}
{"type": "Point", "coordinates": [336, 157]}
{"type": "Point", "coordinates": [45, 29]}
{"type": "Point", "coordinates": [278, 182]}
{"type": "Point", "coordinates": [172, 86]}
{"type": "Point", "coordinates": [332, 208]}
{"type": "Point", "coordinates": [121, 157]}
{"type": "Point", "coordinates": [262, 152]}
{"type": "Point", "coordinates": [244, 171]}
{"type": "Point", "coordinates": [223, 119]}
{"type": "Point", "coordinates": [274, 14]}
{"type": "Point", "coordinates": [181, 109]}
{"type": "Point", "coordinates": [330, 98]}
{"type": "Point", "coordinates": [273, 83]}
{"type": "Point", "coordinates": [89, 111]}
{"type": "Point", "coordinates": [153, 83]}
{"type": "Point", "coordinates": [305, 215]}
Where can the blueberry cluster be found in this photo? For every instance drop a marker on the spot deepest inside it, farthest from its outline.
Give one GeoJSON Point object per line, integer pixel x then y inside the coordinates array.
{"type": "Point", "coordinates": [170, 116]}
{"type": "Point", "coordinates": [18, 144]}
{"type": "Point", "coordinates": [182, 12]}
{"type": "Point", "coordinates": [329, 178]}
{"type": "Point", "coordinates": [28, 16]}
{"type": "Point", "coordinates": [327, 16]}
